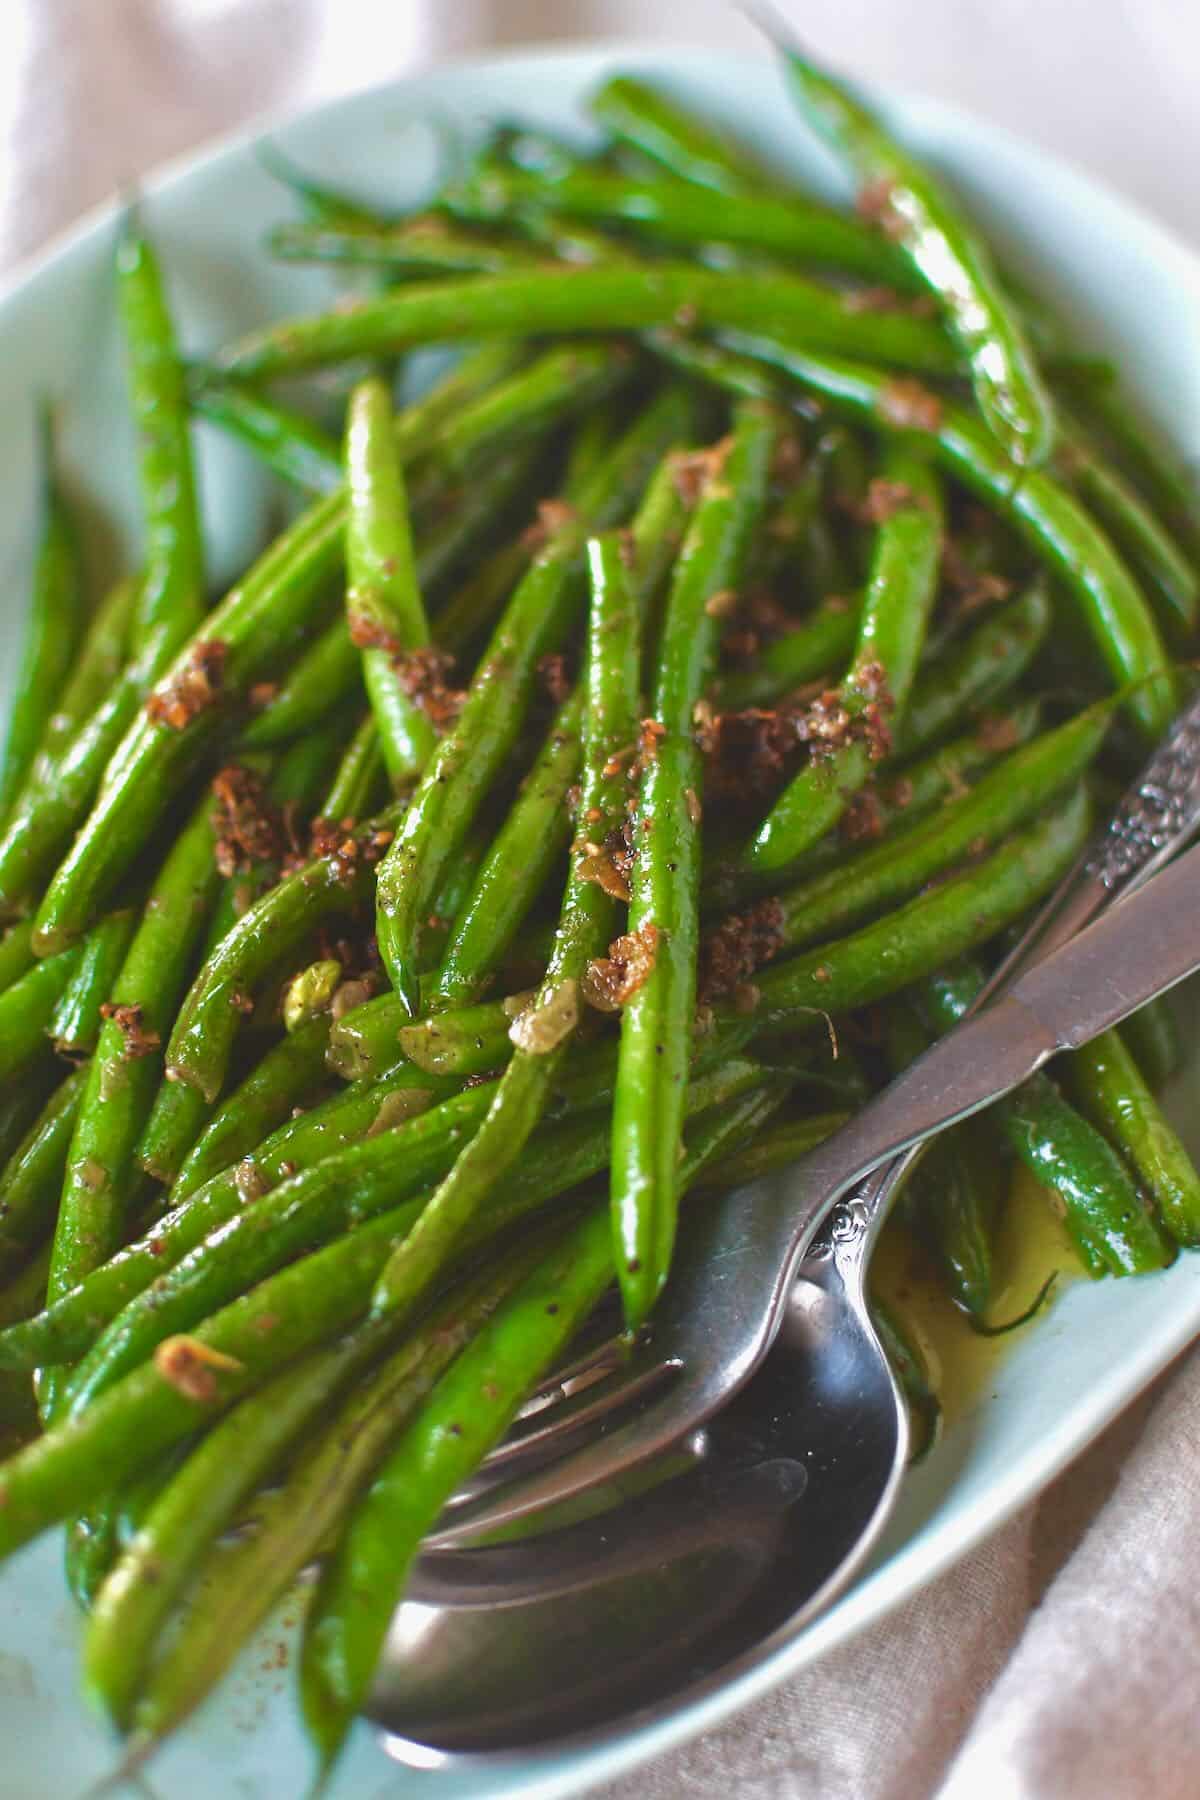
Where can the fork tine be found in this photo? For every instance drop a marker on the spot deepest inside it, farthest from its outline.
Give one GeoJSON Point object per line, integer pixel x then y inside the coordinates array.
{"type": "Point", "coordinates": [607, 1455]}
{"type": "Point", "coordinates": [586, 1404]}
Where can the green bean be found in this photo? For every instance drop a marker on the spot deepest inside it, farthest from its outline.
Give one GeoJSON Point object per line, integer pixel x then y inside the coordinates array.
{"type": "Point", "coordinates": [125, 1070]}
{"type": "Point", "coordinates": [75, 1027]}
{"type": "Point", "coordinates": [1111, 1228]}
{"type": "Point", "coordinates": [381, 1166]}
{"type": "Point", "coordinates": [203, 1034]}
{"type": "Point", "coordinates": [265, 612]}
{"type": "Point", "coordinates": [330, 1470]}
{"type": "Point", "coordinates": [1167, 486]}
{"type": "Point", "coordinates": [16, 953]}
{"type": "Point", "coordinates": [171, 596]}
{"type": "Point", "coordinates": [52, 632]}
{"type": "Point", "coordinates": [177, 1117]}
{"type": "Point", "coordinates": [468, 1411]}
{"type": "Point", "coordinates": [23, 1098]}
{"type": "Point", "coordinates": [370, 1039]}
{"type": "Point", "coordinates": [674, 212]}
{"type": "Point", "coordinates": [317, 200]}
{"type": "Point", "coordinates": [285, 1078]}
{"type": "Point", "coordinates": [526, 848]}
{"type": "Point", "coordinates": [820, 642]}
{"type": "Point", "coordinates": [974, 821]}
{"type": "Point", "coordinates": [1036, 506]}
{"type": "Point", "coordinates": [468, 758]}
{"type": "Point", "coordinates": [356, 791]}
{"type": "Point", "coordinates": [616, 297]}
{"type": "Point", "coordinates": [591, 373]}
{"type": "Point", "coordinates": [33, 1176]}
{"type": "Point", "coordinates": [69, 1326]}
{"type": "Point", "coordinates": [664, 879]}
{"type": "Point", "coordinates": [918, 215]}
{"type": "Point", "coordinates": [385, 612]}
{"type": "Point", "coordinates": [97, 664]}
{"type": "Point", "coordinates": [542, 1034]}
{"type": "Point", "coordinates": [472, 610]}
{"type": "Point", "coordinates": [899, 598]}
{"type": "Point", "coordinates": [27, 1010]}
{"type": "Point", "coordinates": [327, 671]}
{"type": "Point", "coordinates": [416, 246]}
{"type": "Point", "coordinates": [911, 942]}
{"type": "Point", "coordinates": [639, 114]}
{"type": "Point", "coordinates": [1167, 571]}
{"type": "Point", "coordinates": [1110, 1090]}
{"type": "Point", "coordinates": [971, 673]}
{"type": "Point", "coordinates": [289, 443]}
{"type": "Point", "coordinates": [1152, 1035]}
{"type": "Point", "coordinates": [307, 1304]}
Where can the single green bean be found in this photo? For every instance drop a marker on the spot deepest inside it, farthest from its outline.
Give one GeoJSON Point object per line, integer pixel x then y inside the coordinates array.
{"type": "Point", "coordinates": [639, 114]}
{"type": "Point", "coordinates": [288, 442]}
{"type": "Point", "coordinates": [75, 1027]}
{"type": "Point", "coordinates": [971, 673]}
{"type": "Point", "coordinates": [1110, 1090]}
{"type": "Point", "coordinates": [821, 642]}
{"type": "Point", "coordinates": [52, 632]}
{"type": "Point", "coordinates": [27, 1010]}
{"type": "Point", "coordinates": [1111, 1227]}
{"type": "Point", "coordinates": [125, 1070]}
{"type": "Point", "coordinates": [171, 596]}
{"type": "Point", "coordinates": [919, 216]}
{"type": "Point", "coordinates": [665, 875]}
{"type": "Point", "coordinates": [385, 613]}
{"type": "Point", "coordinates": [678, 213]}
{"type": "Point", "coordinates": [16, 953]}
{"type": "Point", "coordinates": [416, 246]}
{"type": "Point", "coordinates": [1152, 1034]}
{"type": "Point", "coordinates": [872, 697]}
{"type": "Point", "coordinates": [1167, 571]}
{"type": "Point", "coordinates": [613, 297]}
{"type": "Point", "coordinates": [98, 662]}
{"type": "Point", "coordinates": [33, 1176]}
{"type": "Point", "coordinates": [357, 788]}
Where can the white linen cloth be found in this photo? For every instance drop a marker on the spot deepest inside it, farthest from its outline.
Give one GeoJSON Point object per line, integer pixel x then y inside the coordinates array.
{"type": "Point", "coordinates": [1062, 1659]}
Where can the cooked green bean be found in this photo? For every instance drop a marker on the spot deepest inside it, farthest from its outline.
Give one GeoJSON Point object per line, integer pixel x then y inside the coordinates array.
{"type": "Point", "coordinates": [170, 600]}
{"type": "Point", "coordinates": [1152, 1034]}
{"type": "Point", "coordinates": [664, 879]}
{"type": "Point", "coordinates": [856, 729]}
{"type": "Point", "coordinates": [33, 1175]}
{"type": "Point", "coordinates": [1111, 1091]}
{"type": "Point", "coordinates": [615, 297]}
{"type": "Point", "coordinates": [75, 1026]}
{"type": "Point", "coordinates": [918, 214]}
{"type": "Point", "coordinates": [52, 632]}
{"type": "Point", "coordinates": [287, 442]}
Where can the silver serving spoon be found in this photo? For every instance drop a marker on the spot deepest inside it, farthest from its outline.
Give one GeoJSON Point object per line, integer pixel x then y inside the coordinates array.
{"type": "Point", "coordinates": [467, 1665]}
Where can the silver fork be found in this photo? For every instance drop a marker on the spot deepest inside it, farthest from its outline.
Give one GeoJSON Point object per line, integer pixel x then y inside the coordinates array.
{"type": "Point", "coordinates": [737, 1264]}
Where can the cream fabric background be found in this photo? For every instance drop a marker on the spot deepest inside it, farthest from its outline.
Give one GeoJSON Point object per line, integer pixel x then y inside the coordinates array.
{"type": "Point", "coordinates": [1061, 1661]}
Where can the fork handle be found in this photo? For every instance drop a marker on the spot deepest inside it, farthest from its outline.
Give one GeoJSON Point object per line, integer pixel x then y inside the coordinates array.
{"type": "Point", "coordinates": [1154, 819]}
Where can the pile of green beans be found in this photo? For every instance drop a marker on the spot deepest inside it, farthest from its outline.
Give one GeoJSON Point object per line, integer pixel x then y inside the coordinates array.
{"type": "Point", "coordinates": [637, 750]}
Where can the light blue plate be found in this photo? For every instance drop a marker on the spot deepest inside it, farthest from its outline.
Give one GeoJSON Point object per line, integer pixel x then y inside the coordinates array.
{"type": "Point", "coordinates": [1130, 288]}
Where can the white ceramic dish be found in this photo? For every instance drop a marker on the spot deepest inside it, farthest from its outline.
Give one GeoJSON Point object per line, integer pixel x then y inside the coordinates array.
{"type": "Point", "coordinates": [1128, 285]}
